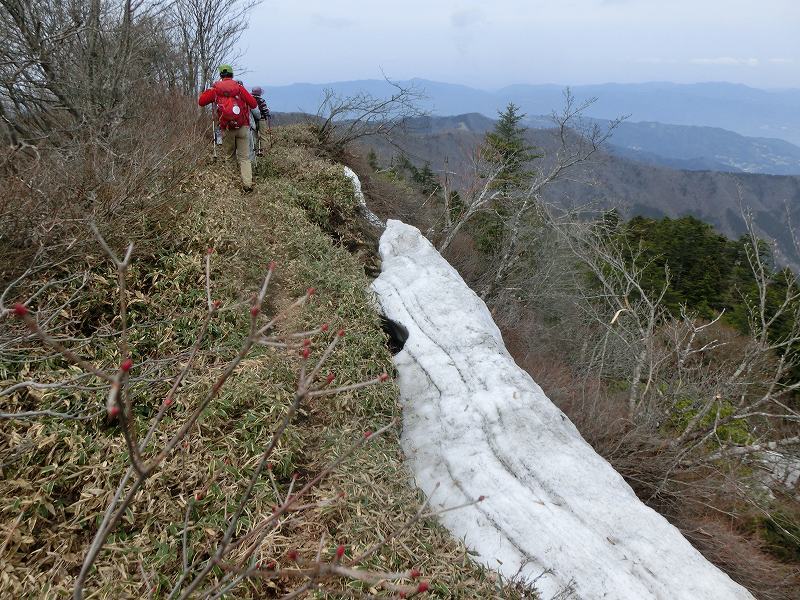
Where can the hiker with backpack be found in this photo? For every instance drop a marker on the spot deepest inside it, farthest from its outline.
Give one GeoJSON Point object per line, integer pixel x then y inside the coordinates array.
{"type": "Point", "coordinates": [234, 104]}
{"type": "Point", "coordinates": [265, 116]}
{"type": "Point", "coordinates": [262, 104]}
{"type": "Point", "coordinates": [255, 128]}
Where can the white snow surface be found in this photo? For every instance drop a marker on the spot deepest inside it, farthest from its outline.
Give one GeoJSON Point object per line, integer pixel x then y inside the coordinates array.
{"type": "Point", "coordinates": [474, 422]}
{"type": "Point", "coordinates": [370, 216]}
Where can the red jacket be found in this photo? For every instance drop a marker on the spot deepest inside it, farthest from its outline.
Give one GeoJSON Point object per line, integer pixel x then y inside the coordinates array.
{"type": "Point", "coordinates": [228, 85]}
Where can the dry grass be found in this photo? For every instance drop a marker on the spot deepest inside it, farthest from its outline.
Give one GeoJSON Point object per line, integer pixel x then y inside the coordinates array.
{"type": "Point", "coordinates": [57, 476]}
{"type": "Point", "coordinates": [704, 504]}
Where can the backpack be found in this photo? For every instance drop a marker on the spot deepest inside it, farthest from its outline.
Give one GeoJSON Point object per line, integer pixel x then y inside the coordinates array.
{"type": "Point", "coordinates": [231, 109]}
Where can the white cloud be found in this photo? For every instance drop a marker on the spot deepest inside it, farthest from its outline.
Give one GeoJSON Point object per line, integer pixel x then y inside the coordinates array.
{"type": "Point", "coordinates": [781, 61]}
{"type": "Point", "coordinates": [728, 61]}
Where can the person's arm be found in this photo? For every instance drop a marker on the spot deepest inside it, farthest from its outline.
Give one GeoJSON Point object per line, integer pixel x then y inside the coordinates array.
{"type": "Point", "coordinates": [248, 97]}
{"type": "Point", "coordinates": [262, 107]}
{"type": "Point", "coordinates": [207, 97]}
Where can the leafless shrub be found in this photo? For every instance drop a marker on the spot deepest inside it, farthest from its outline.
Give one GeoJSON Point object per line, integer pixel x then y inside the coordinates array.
{"type": "Point", "coordinates": [95, 117]}
{"type": "Point", "coordinates": [743, 558]}
{"type": "Point", "coordinates": [341, 120]}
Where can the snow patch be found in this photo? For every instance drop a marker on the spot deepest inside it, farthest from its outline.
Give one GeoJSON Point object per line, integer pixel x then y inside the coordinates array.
{"type": "Point", "coordinates": [781, 470]}
{"type": "Point", "coordinates": [370, 216]}
{"type": "Point", "coordinates": [556, 512]}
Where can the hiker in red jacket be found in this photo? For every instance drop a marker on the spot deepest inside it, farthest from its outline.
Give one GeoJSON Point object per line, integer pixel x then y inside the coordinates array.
{"type": "Point", "coordinates": [234, 103]}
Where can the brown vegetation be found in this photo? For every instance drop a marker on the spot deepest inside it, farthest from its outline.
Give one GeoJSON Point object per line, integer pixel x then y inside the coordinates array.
{"type": "Point", "coordinates": [681, 407]}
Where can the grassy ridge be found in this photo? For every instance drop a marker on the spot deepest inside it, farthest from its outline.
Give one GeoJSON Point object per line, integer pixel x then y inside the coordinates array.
{"type": "Point", "coordinates": [57, 476]}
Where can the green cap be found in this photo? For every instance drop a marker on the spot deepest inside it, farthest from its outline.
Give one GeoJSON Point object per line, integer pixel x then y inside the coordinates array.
{"type": "Point", "coordinates": [226, 70]}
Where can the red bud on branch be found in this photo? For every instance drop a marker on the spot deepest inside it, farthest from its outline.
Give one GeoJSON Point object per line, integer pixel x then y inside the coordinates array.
{"type": "Point", "coordinates": [383, 377]}
{"type": "Point", "coordinates": [254, 311]}
{"type": "Point", "coordinates": [325, 327]}
{"type": "Point", "coordinates": [340, 551]}
{"type": "Point", "coordinates": [20, 309]}
{"type": "Point", "coordinates": [423, 587]}
{"type": "Point", "coordinates": [126, 365]}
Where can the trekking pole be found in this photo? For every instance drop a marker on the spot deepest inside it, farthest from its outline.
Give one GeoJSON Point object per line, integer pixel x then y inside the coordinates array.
{"type": "Point", "coordinates": [269, 128]}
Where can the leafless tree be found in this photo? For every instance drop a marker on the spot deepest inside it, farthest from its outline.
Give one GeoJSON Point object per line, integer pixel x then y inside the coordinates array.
{"type": "Point", "coordinates": [476, 197]}
{"type": "Point", "coordinates": [93, 111]}
{"type": "Point", "coordinates": [341, 120]}
{"type": "Point", "coordinates": [576, 143]}
{"type": "Point", "coordinates": [680, 365]}
{"type": "Point", "coordinates": [207, 32]}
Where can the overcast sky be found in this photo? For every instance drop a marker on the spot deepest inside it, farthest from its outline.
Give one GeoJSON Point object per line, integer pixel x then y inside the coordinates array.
{"type": "Point", "coordinates": [492, 44]}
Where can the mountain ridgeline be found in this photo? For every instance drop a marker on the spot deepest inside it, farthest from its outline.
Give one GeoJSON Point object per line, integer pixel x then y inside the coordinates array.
{"type": "Point", "coordinates": [612, 181]}
{"type": "Point", "coordinates": [745, 110]}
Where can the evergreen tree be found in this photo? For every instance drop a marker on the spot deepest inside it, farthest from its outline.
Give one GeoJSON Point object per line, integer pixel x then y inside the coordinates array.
{"type": "Point", "coordinates": [427, 179]}
{"type": "Point", "coordinates": [506, 146]}
{"type": "Point", "coordinates": [372, 159]}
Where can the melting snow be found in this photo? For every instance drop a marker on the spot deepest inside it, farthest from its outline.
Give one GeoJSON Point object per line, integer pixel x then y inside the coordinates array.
{"type": "Point", "coordinates": [362, 203]}
{"type": "Point", "coordinates": [555, 512]}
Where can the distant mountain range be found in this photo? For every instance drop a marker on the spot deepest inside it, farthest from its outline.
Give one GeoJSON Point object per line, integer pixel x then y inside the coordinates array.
{"type": "Point", "coordinates": [737, 108]}
{"type": "Point", "coordinates": [612, 180]}
{"type": "Point", "coordinates": [675, 146]}
{"type": "Point", "coordinates": [704, 149]}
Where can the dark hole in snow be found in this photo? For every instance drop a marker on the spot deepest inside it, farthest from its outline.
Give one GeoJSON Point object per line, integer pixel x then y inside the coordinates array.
{"type": "Point", "coordinates": [397, 333]}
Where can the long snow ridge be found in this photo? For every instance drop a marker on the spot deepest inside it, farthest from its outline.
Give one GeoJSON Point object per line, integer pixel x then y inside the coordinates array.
{"type": "Point", "coordinates": [555, 513]}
